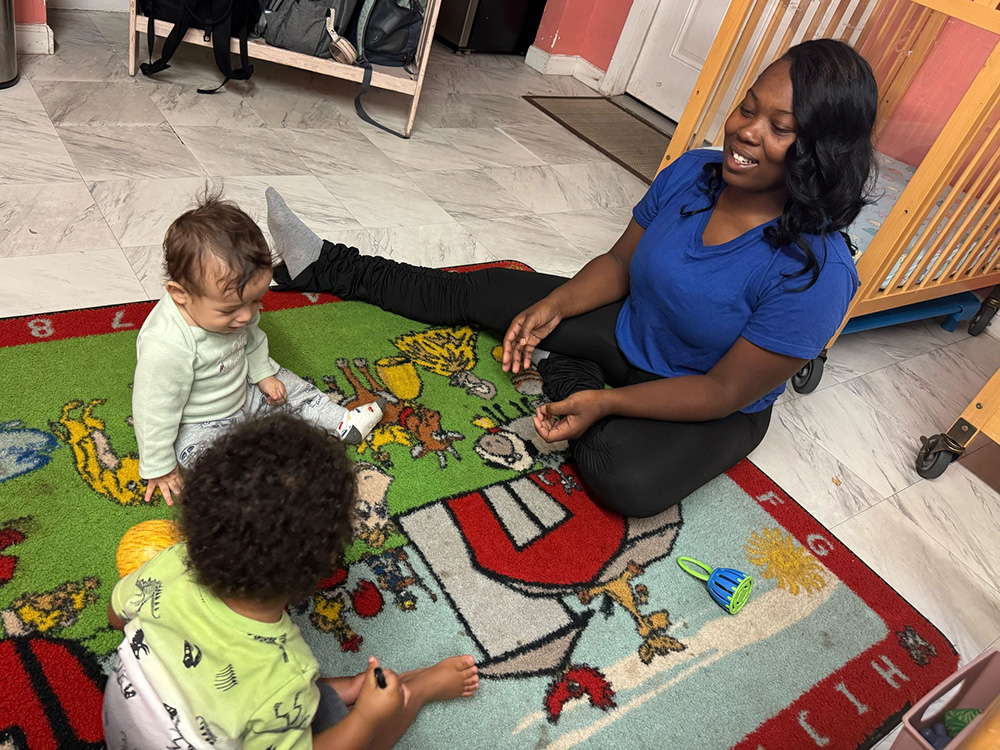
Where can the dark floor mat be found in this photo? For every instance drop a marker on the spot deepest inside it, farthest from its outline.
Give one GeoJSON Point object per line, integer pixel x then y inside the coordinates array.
{"type": "Point", "coordinates": [610, 128]}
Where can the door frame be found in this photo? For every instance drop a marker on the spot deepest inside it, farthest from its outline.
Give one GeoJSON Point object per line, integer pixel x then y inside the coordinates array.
{"type": "Point", "coordinates": [633, 36]}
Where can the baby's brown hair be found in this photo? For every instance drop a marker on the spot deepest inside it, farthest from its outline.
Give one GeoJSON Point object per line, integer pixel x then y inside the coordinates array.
{"type": "Point", "coordinates": [215, 228]}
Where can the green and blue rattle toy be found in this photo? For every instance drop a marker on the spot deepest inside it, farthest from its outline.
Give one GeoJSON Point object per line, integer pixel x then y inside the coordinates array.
{"type": "Point", "coordinates": [730, 588]}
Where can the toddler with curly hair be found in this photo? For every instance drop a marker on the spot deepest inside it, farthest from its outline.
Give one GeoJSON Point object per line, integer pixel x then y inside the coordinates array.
{"type": "Point", "coordinates": [210, 657]}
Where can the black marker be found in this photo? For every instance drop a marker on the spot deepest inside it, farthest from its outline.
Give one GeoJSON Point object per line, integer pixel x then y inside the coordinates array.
{"type": "Point", "coordinates": [379, 677]}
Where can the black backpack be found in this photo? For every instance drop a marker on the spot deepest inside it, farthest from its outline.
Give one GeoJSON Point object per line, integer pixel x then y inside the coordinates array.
{"type": "Point", "coordinates": [385, 32]}
{"type": "Point", "coordinates": [220, 20]}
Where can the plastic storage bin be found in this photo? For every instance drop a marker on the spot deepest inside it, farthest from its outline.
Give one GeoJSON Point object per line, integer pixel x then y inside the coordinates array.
{"type": "Point", "coordinates": [978, 684]}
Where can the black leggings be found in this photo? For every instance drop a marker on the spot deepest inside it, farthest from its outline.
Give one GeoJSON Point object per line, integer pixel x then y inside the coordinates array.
{"type": "Point", "coordinates": [638, 467]}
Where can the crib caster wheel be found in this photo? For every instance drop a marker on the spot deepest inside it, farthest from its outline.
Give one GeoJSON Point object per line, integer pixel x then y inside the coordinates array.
{"type": "Point", "coordinates": [933, 458]}
{"type": "Point", "coordinates": [981, 319]}
{"type": "Point", "coordinates": [806, 379]}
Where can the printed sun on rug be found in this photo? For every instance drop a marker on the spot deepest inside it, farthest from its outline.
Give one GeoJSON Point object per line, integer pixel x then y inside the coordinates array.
{"type": "Point", "coordinates": [474, 537]}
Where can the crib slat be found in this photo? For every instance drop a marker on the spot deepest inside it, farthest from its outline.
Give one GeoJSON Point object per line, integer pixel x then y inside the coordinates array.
{"type": "Point", "coordinates": [877, 12]}
{"type": "Point", "coordinates": [905, 45]}
{"type": "Point", "coordinates": [893, 49]}
{"type": "Point", "coordinates": [991, 234]}
{"type": "Point", "coordinates": [817, 18]}
{"type": "Point", "coordinates": [974, 263]}
{"type": "Point", "coordinates": [718, 54]}
{"type": "Point", "coordinates": [729, 73]}
{"type": "Point", "coordinates": [890, 21]}
{"type": "Point", "coordinates": [963, 252]}
{"type": "Point", "coordinates": [792, 29]}
{"type": "Point", "coordinates": [991, 263]}
{"type": "Point", "coordinates": [859, 22]}
{"type": "Point", "coordinates": [932, 243]}
{"type": "Point", "coordinates": [980, 234]}
{"type": "Point", "coordinates": [893, 94]}
{"type": "Point", "coordinates": [838, 15]}
{"type": "Point", "coordinates": [756, 63]}
{"type": "Point", "coordinates": [965, 186]}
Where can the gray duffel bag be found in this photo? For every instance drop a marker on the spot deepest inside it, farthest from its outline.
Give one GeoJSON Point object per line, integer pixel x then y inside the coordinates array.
{"type": "Point", "coordinates": [302, 25]}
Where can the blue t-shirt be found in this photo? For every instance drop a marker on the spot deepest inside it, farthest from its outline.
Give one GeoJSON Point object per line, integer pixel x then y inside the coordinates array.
{"type": "Point", "coordinates": [688, 303]}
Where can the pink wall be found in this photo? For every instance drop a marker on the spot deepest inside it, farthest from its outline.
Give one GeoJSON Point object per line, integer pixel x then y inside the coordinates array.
{"type": "Point", "coordinates": [588, 28]}
{"type": "Point", "coordinates": [29, 11]}
{"type": "Point", "coordinates": [931, 99]}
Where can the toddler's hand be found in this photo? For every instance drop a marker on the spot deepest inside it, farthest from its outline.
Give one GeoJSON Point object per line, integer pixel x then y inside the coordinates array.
{"type": "Point", "coordinates": [168, 483]}
{"type": "Point", "coordinates": [378, 704]}
{"type": "Point", "coordinates": [274, 389]}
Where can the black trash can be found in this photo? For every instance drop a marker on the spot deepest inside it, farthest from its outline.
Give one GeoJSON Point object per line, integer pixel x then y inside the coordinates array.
{"type": "Point", "coordinates": [8, 46]}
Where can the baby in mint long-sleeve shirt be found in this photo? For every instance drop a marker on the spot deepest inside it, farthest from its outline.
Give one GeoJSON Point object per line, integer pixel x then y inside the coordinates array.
{"type": "Point", "coordinates": [202, 360]}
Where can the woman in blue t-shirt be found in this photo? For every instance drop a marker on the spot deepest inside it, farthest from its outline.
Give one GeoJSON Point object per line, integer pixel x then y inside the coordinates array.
{"type": "Point", "coordinates": [730, 276]}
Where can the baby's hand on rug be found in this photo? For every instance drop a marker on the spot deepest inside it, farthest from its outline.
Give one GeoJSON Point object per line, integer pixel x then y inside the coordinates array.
{"type": "Point", "coordinates": [274, 389]}
{"type": "Point", "coordinates": [168, 484]}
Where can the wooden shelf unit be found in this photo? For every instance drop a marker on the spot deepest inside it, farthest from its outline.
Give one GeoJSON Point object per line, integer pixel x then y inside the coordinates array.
{"type": "Point", "coordinates": [392, 79]}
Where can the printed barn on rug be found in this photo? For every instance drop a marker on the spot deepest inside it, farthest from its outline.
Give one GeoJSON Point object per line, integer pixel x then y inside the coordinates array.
{"type": "Point", "coordinates": [474, 536]}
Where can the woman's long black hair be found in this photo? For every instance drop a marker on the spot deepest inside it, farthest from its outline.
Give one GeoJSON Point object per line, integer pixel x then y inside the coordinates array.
{"type": "Point", "coordinates": [830, 166]}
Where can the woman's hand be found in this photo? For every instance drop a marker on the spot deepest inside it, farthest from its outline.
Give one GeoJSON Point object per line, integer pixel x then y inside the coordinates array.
{"type": "Point", "coordinates": [570, 418]}
{"type": "Point", "coordinates": [526, 331]}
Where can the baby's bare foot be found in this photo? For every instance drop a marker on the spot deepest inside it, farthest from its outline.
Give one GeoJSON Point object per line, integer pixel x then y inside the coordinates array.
{"type": "Point", "coordinates": [350, 695]}
{"type": "Point", "coordinates": [348, 688]}
{"type": "Point", "coordinates": [454, 677]}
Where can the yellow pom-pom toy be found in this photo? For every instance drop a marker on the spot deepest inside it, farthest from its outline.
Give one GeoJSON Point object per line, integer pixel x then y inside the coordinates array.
{"type": "Point", "coordinates": [143, 542]}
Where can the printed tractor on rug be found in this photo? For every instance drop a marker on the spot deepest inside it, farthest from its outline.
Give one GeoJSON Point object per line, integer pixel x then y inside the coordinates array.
{"type": "Point", "coordinates": [472, 535]}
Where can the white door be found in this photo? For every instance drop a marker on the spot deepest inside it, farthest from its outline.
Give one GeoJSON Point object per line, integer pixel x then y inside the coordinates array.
{"type": "Point", "coordinates": [673, 53]}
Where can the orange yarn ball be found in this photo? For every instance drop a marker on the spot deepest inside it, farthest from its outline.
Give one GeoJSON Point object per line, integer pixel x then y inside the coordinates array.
{"type": "Point", "coordinates": [143, 542]}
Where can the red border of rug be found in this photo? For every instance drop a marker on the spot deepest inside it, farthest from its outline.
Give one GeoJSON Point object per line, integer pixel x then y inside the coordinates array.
{"type": "Point", "coordinates": [94, 321]}
{"type": "Point", "coordinates": [877, 686]}
{"type": "Point", "coordinates": [874, 689]}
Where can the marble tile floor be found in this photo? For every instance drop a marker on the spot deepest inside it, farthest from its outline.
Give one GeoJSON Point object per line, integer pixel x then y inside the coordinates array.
{"type": "Point", "coordinates": [94, 165]}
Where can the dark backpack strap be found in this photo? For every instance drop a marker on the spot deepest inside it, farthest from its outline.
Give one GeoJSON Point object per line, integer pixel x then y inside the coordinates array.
{"type": "Point", "coordinates": [245, 67]}
{"type": "Point", "coordinates": [151, 31]}
{"type": "Point", "coordinates": [221, 33]}
{"type": "Point", "coordinates": [366, 84]}
{"type": "Point", "coordinates": [172, 42]}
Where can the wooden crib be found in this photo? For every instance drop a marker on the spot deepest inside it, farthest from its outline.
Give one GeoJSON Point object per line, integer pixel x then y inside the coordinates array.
{"type": "Point", "coordinates": [936, 228]}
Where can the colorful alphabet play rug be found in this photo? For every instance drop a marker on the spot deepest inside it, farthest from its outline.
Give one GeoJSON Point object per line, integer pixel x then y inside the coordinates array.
{"type": "Point", "coordinates": [474, 537]}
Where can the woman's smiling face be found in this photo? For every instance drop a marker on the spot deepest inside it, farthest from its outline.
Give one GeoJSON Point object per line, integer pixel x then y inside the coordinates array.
{"type": "Point", "coordinates": [759, 133]}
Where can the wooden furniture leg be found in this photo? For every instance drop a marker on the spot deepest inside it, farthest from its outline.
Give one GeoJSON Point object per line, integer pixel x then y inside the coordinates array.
{"type": "Point", "coordinates": [133, 39]}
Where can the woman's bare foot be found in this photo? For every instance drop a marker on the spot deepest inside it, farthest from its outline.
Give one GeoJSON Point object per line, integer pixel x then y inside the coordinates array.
{"type": "Point", "coordinates": [454, 677]}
